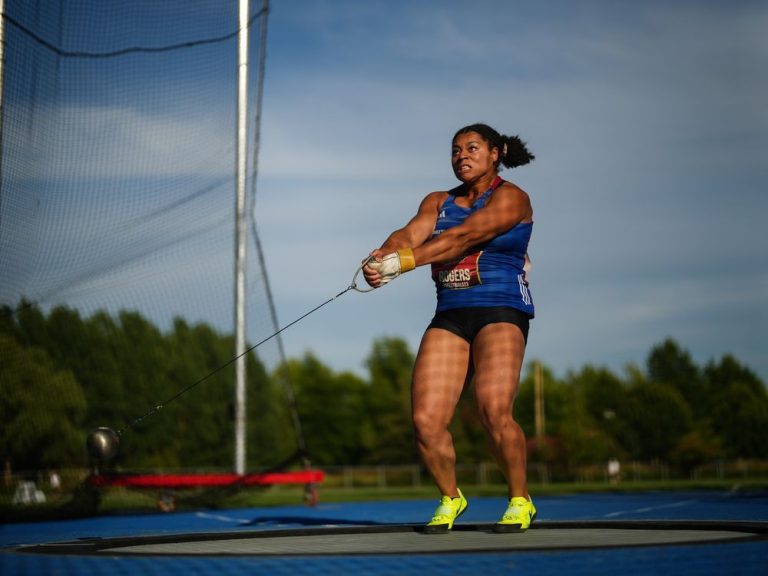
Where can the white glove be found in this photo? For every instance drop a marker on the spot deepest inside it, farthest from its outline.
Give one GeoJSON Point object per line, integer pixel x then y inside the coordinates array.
{"type": "Point", "coordinates": [393, 264]}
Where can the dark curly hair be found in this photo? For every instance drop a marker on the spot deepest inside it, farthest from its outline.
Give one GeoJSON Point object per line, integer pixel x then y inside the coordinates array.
{"type": "Point", "coordinates": [513, 152]}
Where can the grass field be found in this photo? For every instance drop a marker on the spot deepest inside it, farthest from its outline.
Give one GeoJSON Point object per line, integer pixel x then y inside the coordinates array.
{"type": "Point", "coordinates": [119, 500]}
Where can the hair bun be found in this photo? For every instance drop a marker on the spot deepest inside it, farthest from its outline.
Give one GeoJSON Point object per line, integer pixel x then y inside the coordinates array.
{"type": "Point", "coordinates": [515, 152]}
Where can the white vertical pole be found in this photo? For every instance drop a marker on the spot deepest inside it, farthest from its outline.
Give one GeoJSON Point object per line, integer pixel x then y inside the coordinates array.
{"type": "Point", "coordinates": [2, 80]}
{"type": "Point", "coordinates": [240, 237]}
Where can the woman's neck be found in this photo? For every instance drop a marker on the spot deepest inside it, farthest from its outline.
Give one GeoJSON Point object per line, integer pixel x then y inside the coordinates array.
{"type": "Point", "coordinates": [476, 188]}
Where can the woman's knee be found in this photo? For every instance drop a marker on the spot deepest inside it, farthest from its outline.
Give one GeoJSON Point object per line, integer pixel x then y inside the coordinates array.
{"type": "Point", "coordinates": [498, 421]}
{"type": "Point", "coordinates": [427, 427]}
{"type": "Point", "coordinates": [493, 410]}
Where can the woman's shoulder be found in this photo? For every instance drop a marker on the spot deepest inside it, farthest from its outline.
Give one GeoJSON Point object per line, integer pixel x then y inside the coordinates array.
{"type": "Point", "coordinates": [510, 196]}
{"type": "Point", "coordinates": [435, 199]}
{"type": "Point", "coordinates": [510, 187]}
{"type": "Point", "coordinates": [510, 190]}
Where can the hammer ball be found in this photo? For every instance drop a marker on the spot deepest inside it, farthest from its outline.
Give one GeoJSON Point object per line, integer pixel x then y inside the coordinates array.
{"type": "Point", "coordinates": [103, 444]}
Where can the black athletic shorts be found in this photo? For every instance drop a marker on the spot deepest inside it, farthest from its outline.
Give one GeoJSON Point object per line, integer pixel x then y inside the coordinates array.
{"type": "Point", "coordinates": [467, 322]}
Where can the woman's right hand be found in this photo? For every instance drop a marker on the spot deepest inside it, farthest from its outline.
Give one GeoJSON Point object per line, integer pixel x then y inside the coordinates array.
{"type": "Point", "coordinates": [371, 274]}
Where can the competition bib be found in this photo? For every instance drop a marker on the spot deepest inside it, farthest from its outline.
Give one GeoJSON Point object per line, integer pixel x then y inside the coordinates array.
{"type": "Point", "coordinates": [463, 273]}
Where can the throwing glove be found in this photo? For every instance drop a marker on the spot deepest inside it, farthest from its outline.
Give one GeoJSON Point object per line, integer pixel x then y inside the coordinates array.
{"type": "Point", "coordinates": [394, 264]}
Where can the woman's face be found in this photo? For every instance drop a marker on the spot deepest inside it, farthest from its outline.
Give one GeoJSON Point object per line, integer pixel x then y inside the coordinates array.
{"type": "Point", "coordinates": [472, 156]}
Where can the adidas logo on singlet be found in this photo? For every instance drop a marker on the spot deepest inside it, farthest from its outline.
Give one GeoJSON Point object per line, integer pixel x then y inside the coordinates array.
{"type": "Point", "coordinates": [442, 214]}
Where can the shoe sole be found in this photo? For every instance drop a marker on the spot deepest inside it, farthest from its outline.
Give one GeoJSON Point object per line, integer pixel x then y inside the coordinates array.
{"type": "Point", "coordinates": [443, 528]}
{"type": "Point", "coordinates": [437, 529]}
{"type": "Point", "coordinates": [512, 528]}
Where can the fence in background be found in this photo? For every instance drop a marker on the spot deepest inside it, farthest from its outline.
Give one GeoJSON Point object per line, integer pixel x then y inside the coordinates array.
{"type": "Point", "coordinates": [20, 488]}
{"type": "Point", "coordinates": [486, 473]}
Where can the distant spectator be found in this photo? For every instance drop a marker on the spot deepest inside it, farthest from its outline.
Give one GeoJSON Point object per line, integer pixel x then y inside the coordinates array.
{"type": "Point", "coordinates": [614, 471]}
{"type": "Point", "coordinates": [55, 482]}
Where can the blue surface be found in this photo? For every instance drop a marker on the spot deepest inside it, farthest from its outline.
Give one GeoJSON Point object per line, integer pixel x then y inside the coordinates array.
{"type": "Point", "coordinates": [731, 558]}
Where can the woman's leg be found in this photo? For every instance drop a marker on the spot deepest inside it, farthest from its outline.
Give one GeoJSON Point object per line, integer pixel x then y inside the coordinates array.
{"type": "Point", "coordinates": [438, 379]}
{"type": "Point", "coordinates": [498, 351]}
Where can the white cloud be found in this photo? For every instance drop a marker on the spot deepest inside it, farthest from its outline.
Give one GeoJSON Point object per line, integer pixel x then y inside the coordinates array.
{"type": "Point", "coordinates": [650, 134]}
{"type": "Point", "coordinates": [636, 121]}
{"type": "Point", "coordinates": [124, 142]}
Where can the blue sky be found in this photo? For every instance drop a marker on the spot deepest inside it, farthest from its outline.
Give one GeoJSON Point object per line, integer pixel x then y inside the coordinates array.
{"type": "Point", "coordinates": [648, 121]}
{"type": "Point", "coordinates": [649, 188]}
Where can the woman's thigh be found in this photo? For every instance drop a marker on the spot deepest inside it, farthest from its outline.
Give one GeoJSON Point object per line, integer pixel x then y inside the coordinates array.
{"type": "Point", "coordinates": [439, 375]}
{"type": "Point", "coordinates": [497, 354]}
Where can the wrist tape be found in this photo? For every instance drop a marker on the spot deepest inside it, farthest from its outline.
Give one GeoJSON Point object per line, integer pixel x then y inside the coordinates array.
{"type": "Point", "coordinates": [407, 261]}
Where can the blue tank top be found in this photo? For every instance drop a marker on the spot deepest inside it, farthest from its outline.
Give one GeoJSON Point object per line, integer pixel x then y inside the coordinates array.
{"type": "Point", "coordinates": [490, 274]}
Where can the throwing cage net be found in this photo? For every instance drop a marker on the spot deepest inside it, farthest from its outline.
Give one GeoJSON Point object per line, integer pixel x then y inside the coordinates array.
{"type": "Point", "coordinates": [117, 234]}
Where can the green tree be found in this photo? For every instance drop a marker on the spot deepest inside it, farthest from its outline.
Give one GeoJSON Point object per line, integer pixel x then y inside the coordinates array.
{"type": "Point", "coordinates": [671, 365]}
{"type": "Point", "coordinates": [388, 402]}
{"type": "Point", "coordinates": [272, 436]}
{"type": "Point", "coordinates": [99, 372]}
{"type": "Point", "coordinates": [62, 374]}
{"type": "Point", "coordinates": [332, 411]}
{"type": "Point", "coordinates": [31, 326]}
{"type": "Point", "coordinates": [694, 449]}
{"type": "Point", "coordinates": [555, 398]}
{"type": "Point", "coordinates": [8, 324]}
{"type": "Point", "coordinates": [583, 439]}
{"type": "Point", "coordinates": [658, 417]}
{"type": "Point", "coordinates": [738, 408]}
{"type": "Point", "coordinates": [127, 368]}
{"type": "Point", "coordinates": [142, 355]}
{"type": "Point", "coordinates": [603, 398]}
{"type": "Point", "coordinates": [41, 408]}
{"type": "Point", "coordinates": [203, 430]}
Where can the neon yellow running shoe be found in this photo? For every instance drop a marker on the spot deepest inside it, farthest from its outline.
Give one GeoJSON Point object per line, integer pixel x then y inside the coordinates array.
{"type": "Point", "coordinates": [518, 518]}
{"type": "Point", "coordinates": [448, 510]}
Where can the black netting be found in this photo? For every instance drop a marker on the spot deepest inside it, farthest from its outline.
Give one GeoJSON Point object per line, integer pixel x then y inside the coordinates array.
{"type": "Point", "coordinates": [117, 182]}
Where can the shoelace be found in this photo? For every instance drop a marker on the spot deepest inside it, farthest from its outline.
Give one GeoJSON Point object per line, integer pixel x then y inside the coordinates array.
{"type": "Point", "coordinates": [445, 508]}
{"type": "Point", "coordinates": [514, 511]}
